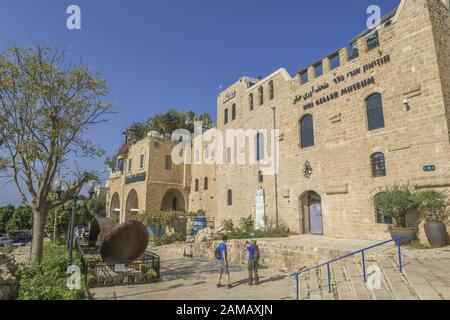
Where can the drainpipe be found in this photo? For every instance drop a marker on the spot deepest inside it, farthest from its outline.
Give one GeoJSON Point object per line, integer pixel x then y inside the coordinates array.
{"type": "Point", "coordinates": [275, 166]}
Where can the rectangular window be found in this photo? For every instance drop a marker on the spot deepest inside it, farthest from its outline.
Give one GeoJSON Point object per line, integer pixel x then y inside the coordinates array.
{"type": "Point", "coordinates": [353, 51]}
{"type": "Point", "coordinates": [233, 112]}
{"type": "Point", "coordinates": [383, 219]}
{"type": "Point", "coordinates": [225, 116]}
{"type": "Point", "coordinates": [304, 77]}
{"type": "Point", "coordinates": [250, 101]}
{"type": "Point", "coordinates": [228, 155]}
{"type": "Point", "coordinates": [318, 70]}
{"type": "Point", "coordinates": [261, 96]}
{"type": "Point", "coordinates": [141, 162]}
{"type": "Point", "coordinates": [129, 165]}
{"type": "Point", "coordinates": [168, 164]}
{"type": "Point", "coordinates": [271, 90]}
{"type": "Point", "coordinates": [335, 62]}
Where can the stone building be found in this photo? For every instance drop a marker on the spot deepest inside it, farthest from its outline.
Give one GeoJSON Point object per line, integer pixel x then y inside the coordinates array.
{"type": "Point", "coordinates": [361, 119]}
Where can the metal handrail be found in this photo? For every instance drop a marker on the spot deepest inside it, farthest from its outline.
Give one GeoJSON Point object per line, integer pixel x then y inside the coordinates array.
{"type": "Point", "coordinates": [362, 251]}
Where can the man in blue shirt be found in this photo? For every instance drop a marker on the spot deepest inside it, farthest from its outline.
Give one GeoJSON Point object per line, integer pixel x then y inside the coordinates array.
{"type": "Point", "coordinates": [253, 259]}
{"type": "Point", "coordinates": [223, 261]}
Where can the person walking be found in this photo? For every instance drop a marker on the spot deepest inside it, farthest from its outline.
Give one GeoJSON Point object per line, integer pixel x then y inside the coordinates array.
{"type": "Point", "coordinates": [253, 260]}
{"type": "Point", "coordinates": [221, 254]}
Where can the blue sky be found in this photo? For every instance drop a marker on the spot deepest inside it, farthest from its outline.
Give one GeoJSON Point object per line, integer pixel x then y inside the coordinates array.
{"type": "Point", "coordinates": [158, 54]}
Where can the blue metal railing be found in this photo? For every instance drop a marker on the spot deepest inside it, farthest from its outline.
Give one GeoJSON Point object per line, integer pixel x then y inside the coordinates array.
{"type": "Point", "coordinates": [362, 251]}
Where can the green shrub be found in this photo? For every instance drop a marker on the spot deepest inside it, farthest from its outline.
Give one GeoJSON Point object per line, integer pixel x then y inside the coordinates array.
{"type": "Point", "coordinates": [168, 239]}
{"type": "Point", "coordinates": [396, 201]}
{"type": "Point", "coordinates": [47, 281]}
{"type": "Point", "coordinates": [432, 205]}
{"type": "Point", "coordinates": [228, 225]}
{"type": "Point", "coordinates": [247, 224]}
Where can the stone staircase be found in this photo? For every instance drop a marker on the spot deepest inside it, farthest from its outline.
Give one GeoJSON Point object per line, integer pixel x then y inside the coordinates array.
{"type": "Point", "coordinates": [425, 277]}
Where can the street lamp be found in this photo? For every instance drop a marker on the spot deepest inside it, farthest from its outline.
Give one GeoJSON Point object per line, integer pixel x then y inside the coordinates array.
{"type": "Point", "coordinates": [61, 187]}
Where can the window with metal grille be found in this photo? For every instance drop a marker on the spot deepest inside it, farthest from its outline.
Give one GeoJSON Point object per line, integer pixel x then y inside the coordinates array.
{"type": "Point", "coordinates": [382, 218]}
{"type": "Point", "coordinates": [168, 163]}
{"type": "Point", "coordinates": [306, 131]}
{"type": "Point", "coordinates": [372, 40]}
{"type": "Point", "coordinates": [233, 112]}
{"type": "Point", "coordinates": [225, 116]}
{"type": "Point", "coordinates": [375, 114]}
{"type": "Point", "coordinates": [271, 90]}
{"type": "Point", "coordinates": [230, 198]}
{"type": "Point", "coordinates": [378, 165]}
{"type": "Point", "coordinates": [197, 185]}
{"type": "Point", "coordinates": [250, 101]}
{"type": "Point", "coordinates": [129, 164]}
{"type": "Point", "coordinates": [261, 96]}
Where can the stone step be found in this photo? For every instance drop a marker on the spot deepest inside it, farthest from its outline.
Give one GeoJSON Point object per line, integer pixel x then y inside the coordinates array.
{"type": "Point", "coordinates": [356, 275]}
{"type": "Point", "coordinates": [382, 292]}
{"type": "Point", "coordinates": [343, 282]}
{"type": "Point", "coordinates": [326, 294]}
{"type": "Point", "coordinates": [395, 280]}
{"type": "Point", "coordinates": [303, 286]}
{"type": "Point", "coordinates": [314, 291]}
{"type": "Point", "coordinates": [417, 275]}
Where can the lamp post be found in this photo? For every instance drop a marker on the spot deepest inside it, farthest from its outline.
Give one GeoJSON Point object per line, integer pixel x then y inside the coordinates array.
{"type": "Point", "coordinates": [61, 189]}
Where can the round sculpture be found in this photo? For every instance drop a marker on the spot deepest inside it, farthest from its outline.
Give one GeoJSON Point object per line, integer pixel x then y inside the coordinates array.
{"type": "Point", "coordinates": [125, 243]}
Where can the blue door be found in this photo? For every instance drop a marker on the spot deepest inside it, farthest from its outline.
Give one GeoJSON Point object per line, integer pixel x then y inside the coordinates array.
{"type": "Point", "coordinates": [315, 215]}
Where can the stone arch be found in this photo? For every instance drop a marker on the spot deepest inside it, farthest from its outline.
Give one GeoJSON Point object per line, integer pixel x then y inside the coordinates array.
{"type": "Point", "coordinates": [114, 210]}
{"type": "Point", "coordinates": [132, 207]}
{"type": "Point", "coordinates": [173, 200]}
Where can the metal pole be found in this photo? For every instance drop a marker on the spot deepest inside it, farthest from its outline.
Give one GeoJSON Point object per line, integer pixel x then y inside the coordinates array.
{"type": "Point", "coordinates": [400, 264]}
{"type": "Point", "coordinates": [296, 278]}
{"type": "Point", "coordinates": [275, 167]}
{"type": "Point", "coordinates": [71, 225]}
{"type": "Point", "coordinates": [364, 266]}
{"type": "Point", "coordinates": [329, 278]}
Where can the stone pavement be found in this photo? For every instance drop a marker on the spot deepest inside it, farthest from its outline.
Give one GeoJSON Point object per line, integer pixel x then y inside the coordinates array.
{"type": "Point", "coordinates": [196, 279]}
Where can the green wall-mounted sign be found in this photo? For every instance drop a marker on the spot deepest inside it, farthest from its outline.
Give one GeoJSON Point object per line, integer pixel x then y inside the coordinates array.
{"type": "Point", "coordinates": [429, 168]}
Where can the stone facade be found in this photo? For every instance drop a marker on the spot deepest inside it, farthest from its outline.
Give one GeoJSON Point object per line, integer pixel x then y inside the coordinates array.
{"type": "Point", "coordinates": [408, 67]}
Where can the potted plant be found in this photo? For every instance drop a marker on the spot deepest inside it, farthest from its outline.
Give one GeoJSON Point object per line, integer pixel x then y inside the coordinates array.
{"type": "Point", "coordinates": [432, 206]}
{"type": "Point", "coordinates": [396, 202]}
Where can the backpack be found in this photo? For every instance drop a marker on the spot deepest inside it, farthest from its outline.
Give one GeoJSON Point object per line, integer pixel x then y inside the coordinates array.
{"type": "Point", "coordinates": [217, 253]}
{"type": "Point", "coordinates": [256, 254]}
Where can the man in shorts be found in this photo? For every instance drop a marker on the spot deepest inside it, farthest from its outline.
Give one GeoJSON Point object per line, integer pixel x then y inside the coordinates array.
{"type": "Point", "coordinates": [223, 263]}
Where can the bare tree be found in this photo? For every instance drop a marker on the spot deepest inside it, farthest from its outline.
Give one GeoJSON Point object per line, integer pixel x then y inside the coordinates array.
{"type": "Point", "coordinates": [47, 104]}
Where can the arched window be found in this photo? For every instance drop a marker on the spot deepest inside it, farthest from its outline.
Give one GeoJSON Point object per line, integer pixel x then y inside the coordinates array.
{"type": "Point", "coordinates": [206, 184]}
{"type": "Point", "coordinates": [250, 101]}
{"type": "Point", "coordinates": [374, 109]}
{"type": "Point", "coordinates": [230, 198]}
{"type": "Point", "coordinates": [271, 90]}
{"type": "Point", "coordinates": [197, 185]}
{"type": "Point", "coordinates": [261, 96]}
{"type": "Point", "coordinates": [225, 116]}
{"type": "Point", "coordinates": [306, 131]}
{"type": "Point", "coordinates": [260, 147]}
{"type": "Point", "coordinates": [378, 165]}
{"type": "Point", "coordinates": [233, 112]}
{"type": "Point", "coordinates": [260, 177]}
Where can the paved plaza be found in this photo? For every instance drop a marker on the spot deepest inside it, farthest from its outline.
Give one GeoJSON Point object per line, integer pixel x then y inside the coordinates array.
{"type": "Point", "coordinates": [196, 279]}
